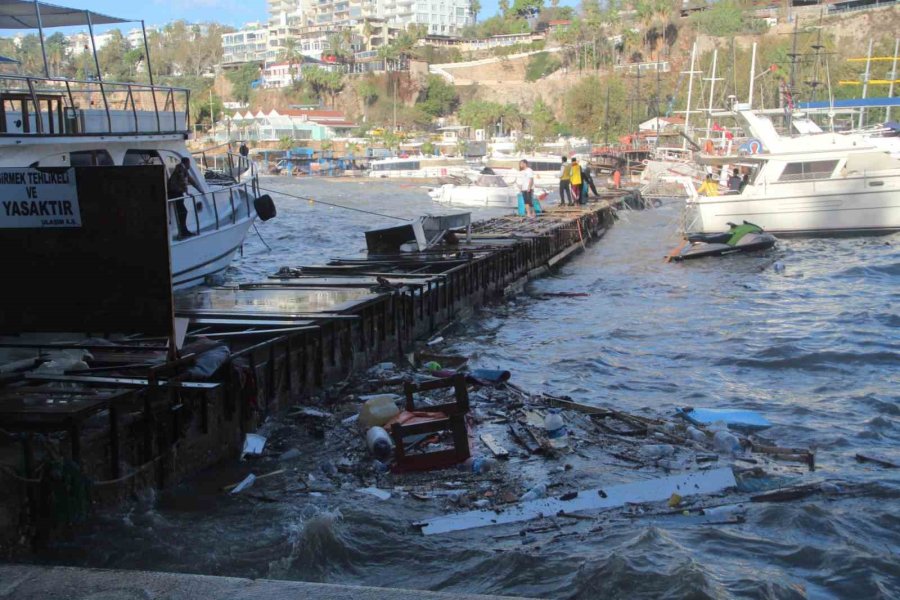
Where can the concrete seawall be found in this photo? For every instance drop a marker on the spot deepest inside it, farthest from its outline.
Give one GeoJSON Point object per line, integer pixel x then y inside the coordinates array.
{"type": "Point", "coordinates": [25, 582]}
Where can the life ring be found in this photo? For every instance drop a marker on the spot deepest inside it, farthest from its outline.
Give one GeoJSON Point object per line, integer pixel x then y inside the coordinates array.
{"type": "Point", "coordinates": [751, 146]}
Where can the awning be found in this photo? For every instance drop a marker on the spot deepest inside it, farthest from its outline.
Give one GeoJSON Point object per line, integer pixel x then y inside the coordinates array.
{"type": "Point", "coordinates": [21, 14]}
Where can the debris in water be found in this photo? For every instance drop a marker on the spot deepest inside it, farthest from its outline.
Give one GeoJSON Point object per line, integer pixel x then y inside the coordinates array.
{"type": "Point", "coordinates": [247, 482]}
{"type": "Point", "coordinates": [374, 491]}
{"type": "Point", "coordinates": [253, 445]}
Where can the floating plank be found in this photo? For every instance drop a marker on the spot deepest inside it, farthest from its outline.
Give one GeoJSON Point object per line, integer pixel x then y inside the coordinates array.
{"type": "Point", "coordinates": [498, 450]}
{"type": "Point", "coordinates": [655, 490]}
{"type": "Point", "coordinates": [877, 459]}
{"type": "Point", "coordinates": [747, 420]}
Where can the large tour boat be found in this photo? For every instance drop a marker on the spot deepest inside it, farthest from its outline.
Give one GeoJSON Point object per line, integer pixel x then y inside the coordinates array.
{"type": "Point", "coordinates": [59, 122]}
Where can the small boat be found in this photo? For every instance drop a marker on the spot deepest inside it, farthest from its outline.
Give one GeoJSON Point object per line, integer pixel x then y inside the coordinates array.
{"type": "Point", "coordinates": [488, 190]}
{"type": "Point", "coordinates": [746, 237]}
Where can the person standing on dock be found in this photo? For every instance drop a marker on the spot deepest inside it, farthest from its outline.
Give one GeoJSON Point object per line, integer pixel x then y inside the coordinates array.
{"type": "Point", "coordinates": [177, 187]}
{"type": "Point", "coordinates": [709, 187]}
{"type": "Point", "coordinates": [734, 182]}
{"type": "Point", "coordinates": [588, 183]}
{"type": "Point", "coordinates": [565, 173]}
{"type": "Point", "coordinates": [576, 180]}
{"type": "Point", "coordinates": [525, 182]}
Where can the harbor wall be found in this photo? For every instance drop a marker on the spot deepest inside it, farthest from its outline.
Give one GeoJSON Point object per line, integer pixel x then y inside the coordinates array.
{"type": "Point", "coordinates": [164, 429]}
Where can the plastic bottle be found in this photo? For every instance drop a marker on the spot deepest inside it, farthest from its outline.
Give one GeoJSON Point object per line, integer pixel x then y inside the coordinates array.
{"type": "Point", "coordinates": [726, 443]}
{"type": "Point", "coordinates": [656, 451]}
{"type": "Point", "coordinates": [478, 465]}
{"type": "Point", "coordinates": [379, 443]}
{"type": "Point", "coordinates": [696, 435]}
{"type": "Point", "coordinates": [377, 411]}
{"type": "Point", "coordinates": [555, 428]}
{"type": "Point", "coordinates": [535, 493]}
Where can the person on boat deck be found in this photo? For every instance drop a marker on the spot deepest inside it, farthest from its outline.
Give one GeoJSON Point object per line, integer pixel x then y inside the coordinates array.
{"type": "Point", "coordinates": [709, 187]}
{"type": "Point", "coordinates": [565, 172]}
{"type": "Point", "coordinates": [576, 180]}
{"type": "Point", "coordinates": [588, 182]}
{"type": "Point", "coordinates": [617, 179]}
{"type": "Point", "coordinates": [244, 150]}
{"type": "Point", "coordinates": [525, 183]}
{"type": "Point", "coordinates": [734, 182]}
{"type": "Point", "coordinates": [745, 181]}
{"type": "Point", "coordinates": [178, 188]}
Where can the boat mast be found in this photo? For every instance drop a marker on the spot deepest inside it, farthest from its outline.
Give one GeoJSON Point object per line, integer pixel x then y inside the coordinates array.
{"type": "Point", "coordinates": [752, 76]}
{"type": "Point", "coordinates": [687, 113]}
{"type": "Point", "coordinates": [887, 116]}
{"type": "Point", "coordinates": [865, 90]}
{"type": "Point", "coordinates": [40, 24]}
{"type": "Point", "coordinates": [712, 89]}
{"type": "Point", "coordinates": [150, 73]}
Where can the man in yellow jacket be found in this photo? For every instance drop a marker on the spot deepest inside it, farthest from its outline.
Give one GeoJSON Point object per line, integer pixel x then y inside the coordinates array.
{"type": "Point", "coordinates": [709, 187]}
{"type": "Point", "coordinates": [575, 178]}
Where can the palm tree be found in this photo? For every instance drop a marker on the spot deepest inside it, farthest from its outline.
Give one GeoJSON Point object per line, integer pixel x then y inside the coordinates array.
{"type": "Point", "coordinates": [475, 8]}
{"type": "Point", "coordinates": [291, 53]}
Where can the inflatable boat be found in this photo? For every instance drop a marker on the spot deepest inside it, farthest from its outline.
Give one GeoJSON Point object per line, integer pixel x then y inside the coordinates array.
{"type": "Point", "coordinates": [746, 237]}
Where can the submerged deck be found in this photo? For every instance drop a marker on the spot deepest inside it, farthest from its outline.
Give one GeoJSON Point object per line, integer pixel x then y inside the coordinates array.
{"type": "Point", "coordinates": [140, 421]}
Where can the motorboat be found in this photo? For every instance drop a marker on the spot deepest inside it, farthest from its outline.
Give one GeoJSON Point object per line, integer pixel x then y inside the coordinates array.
{"type": "Point", "coordinates": [59, 122]}
{"type": "Point", "coordinates": [819, 183]}
{"type": "Point", "coordinates": [413, 167]}
{"type": "Point", "coordinates": [488, 190]}
{"type": "Point", "coordinates": [746, 237]}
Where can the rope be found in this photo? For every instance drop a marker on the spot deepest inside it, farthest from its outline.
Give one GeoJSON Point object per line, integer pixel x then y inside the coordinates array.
{"type": "Point", "coordinates": [261, 237]}
{"type": "Point", "coordinates": [367, 212]}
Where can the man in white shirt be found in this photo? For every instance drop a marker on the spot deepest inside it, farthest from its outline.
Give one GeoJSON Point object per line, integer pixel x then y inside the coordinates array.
{"type": "Point", "coordinates": [525, 183]}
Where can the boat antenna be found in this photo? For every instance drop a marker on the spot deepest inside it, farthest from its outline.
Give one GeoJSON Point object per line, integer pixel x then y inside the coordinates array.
{"type": "Point", "coordinates": [40, 24]}
{"type": "Point", "coordinates": [865, 90]}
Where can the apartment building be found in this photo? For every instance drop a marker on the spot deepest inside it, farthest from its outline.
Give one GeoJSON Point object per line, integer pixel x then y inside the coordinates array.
{"type": "Point", "coordinates": [250, 44]}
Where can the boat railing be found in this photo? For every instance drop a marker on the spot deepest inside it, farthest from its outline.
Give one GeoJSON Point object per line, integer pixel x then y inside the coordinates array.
{"type": "Point", "coordinates": [71, 107]}
{"type": "Point", "coordinates": [229, 204]}
{"type": "Point", "coordinates": [225, 166]}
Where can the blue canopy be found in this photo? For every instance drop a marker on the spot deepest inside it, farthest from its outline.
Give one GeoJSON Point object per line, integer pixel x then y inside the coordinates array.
{"type": "Point", "coordinates": [851, 103]}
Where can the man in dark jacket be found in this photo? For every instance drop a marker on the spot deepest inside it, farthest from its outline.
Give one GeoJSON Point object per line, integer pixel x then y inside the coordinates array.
{"type": "Point", "coordinates": [178, 188]}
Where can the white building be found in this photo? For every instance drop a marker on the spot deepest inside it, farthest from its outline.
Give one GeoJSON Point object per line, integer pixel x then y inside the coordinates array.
{"type": "Point", "coordinates": [250, 44]}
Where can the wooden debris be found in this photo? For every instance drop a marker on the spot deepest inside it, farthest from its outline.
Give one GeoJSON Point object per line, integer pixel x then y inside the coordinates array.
{"type": "Point", "coordinates": [877, 459]}
{"type": "Point", "coordinates": [495, 448]}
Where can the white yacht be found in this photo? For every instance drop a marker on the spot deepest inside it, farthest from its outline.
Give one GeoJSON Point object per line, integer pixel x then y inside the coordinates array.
{"type": "Point", "coordinates": [486, 191]}
{"type": "Point", "coordinates": [414, 167]}
{"type": "Point", "coordinates": [55, 122]}
{"type": "Point", "coordinates": [814, 184]}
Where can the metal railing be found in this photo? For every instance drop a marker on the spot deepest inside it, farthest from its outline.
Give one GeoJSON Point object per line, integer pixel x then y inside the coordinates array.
{"type": "Point", "coordinates": [227, 166]}
{"type": "Point", "coordinates": [227, 203]}
{"type": "Point", "coordinates": [42, 106]}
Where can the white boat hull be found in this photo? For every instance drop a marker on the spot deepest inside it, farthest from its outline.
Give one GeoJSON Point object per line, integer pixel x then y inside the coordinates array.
{"type": "Point", "coordinates": [198, 257]}
{"type": "Point", "coordinates": [476, 196]}
{"type": "Point", "coordinates": [849, 206]}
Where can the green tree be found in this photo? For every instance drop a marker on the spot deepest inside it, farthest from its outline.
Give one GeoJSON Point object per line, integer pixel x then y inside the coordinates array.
{"type": "Point", "coordinates": [523, 7]}
{"type": "Point", "coordinates": [439, 98]}
{"type": "Point", "coordinates": [241, 80]}
{"type": "Point", "coordinates": [542, 121]}
{"type": "Point", "coordinates": [586, 108]}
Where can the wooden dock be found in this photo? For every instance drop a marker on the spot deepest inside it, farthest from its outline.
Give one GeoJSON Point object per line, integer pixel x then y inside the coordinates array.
{"type": "Point", "coordinates": [134, 419]}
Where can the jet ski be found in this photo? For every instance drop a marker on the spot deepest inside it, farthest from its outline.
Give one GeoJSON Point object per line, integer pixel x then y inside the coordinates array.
{"type": "Point", "coordinates": [746, 237]}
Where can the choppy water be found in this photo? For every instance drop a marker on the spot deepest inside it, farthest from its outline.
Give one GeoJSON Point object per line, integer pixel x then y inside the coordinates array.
{"type": "Point", "coordinates": [815, 349]}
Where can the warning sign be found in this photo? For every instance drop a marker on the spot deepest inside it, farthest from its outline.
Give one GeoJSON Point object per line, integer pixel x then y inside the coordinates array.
{"type": "Point", "coordinates": [38, 198]}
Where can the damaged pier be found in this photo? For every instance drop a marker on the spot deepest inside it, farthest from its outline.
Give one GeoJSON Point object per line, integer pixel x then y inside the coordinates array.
{"type": "Point", "coordinates": [121, 414]}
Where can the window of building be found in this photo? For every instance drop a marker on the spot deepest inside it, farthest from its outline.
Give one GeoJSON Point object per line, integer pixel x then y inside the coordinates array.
{"type": "Point", "coordinates": [807, 171]}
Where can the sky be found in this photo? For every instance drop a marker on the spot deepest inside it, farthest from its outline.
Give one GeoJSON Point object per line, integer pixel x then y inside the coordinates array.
{"type": "Point", "coordinates": [227, 12]}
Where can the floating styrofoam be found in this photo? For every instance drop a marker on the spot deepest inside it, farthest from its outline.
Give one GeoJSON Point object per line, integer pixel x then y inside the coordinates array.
{"type": "Point", "coordinates": [253, 444]}
{"type": "Point", "coordinates": [735, 419]}
{"type": "Point", "coordinates": [654, 490]}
